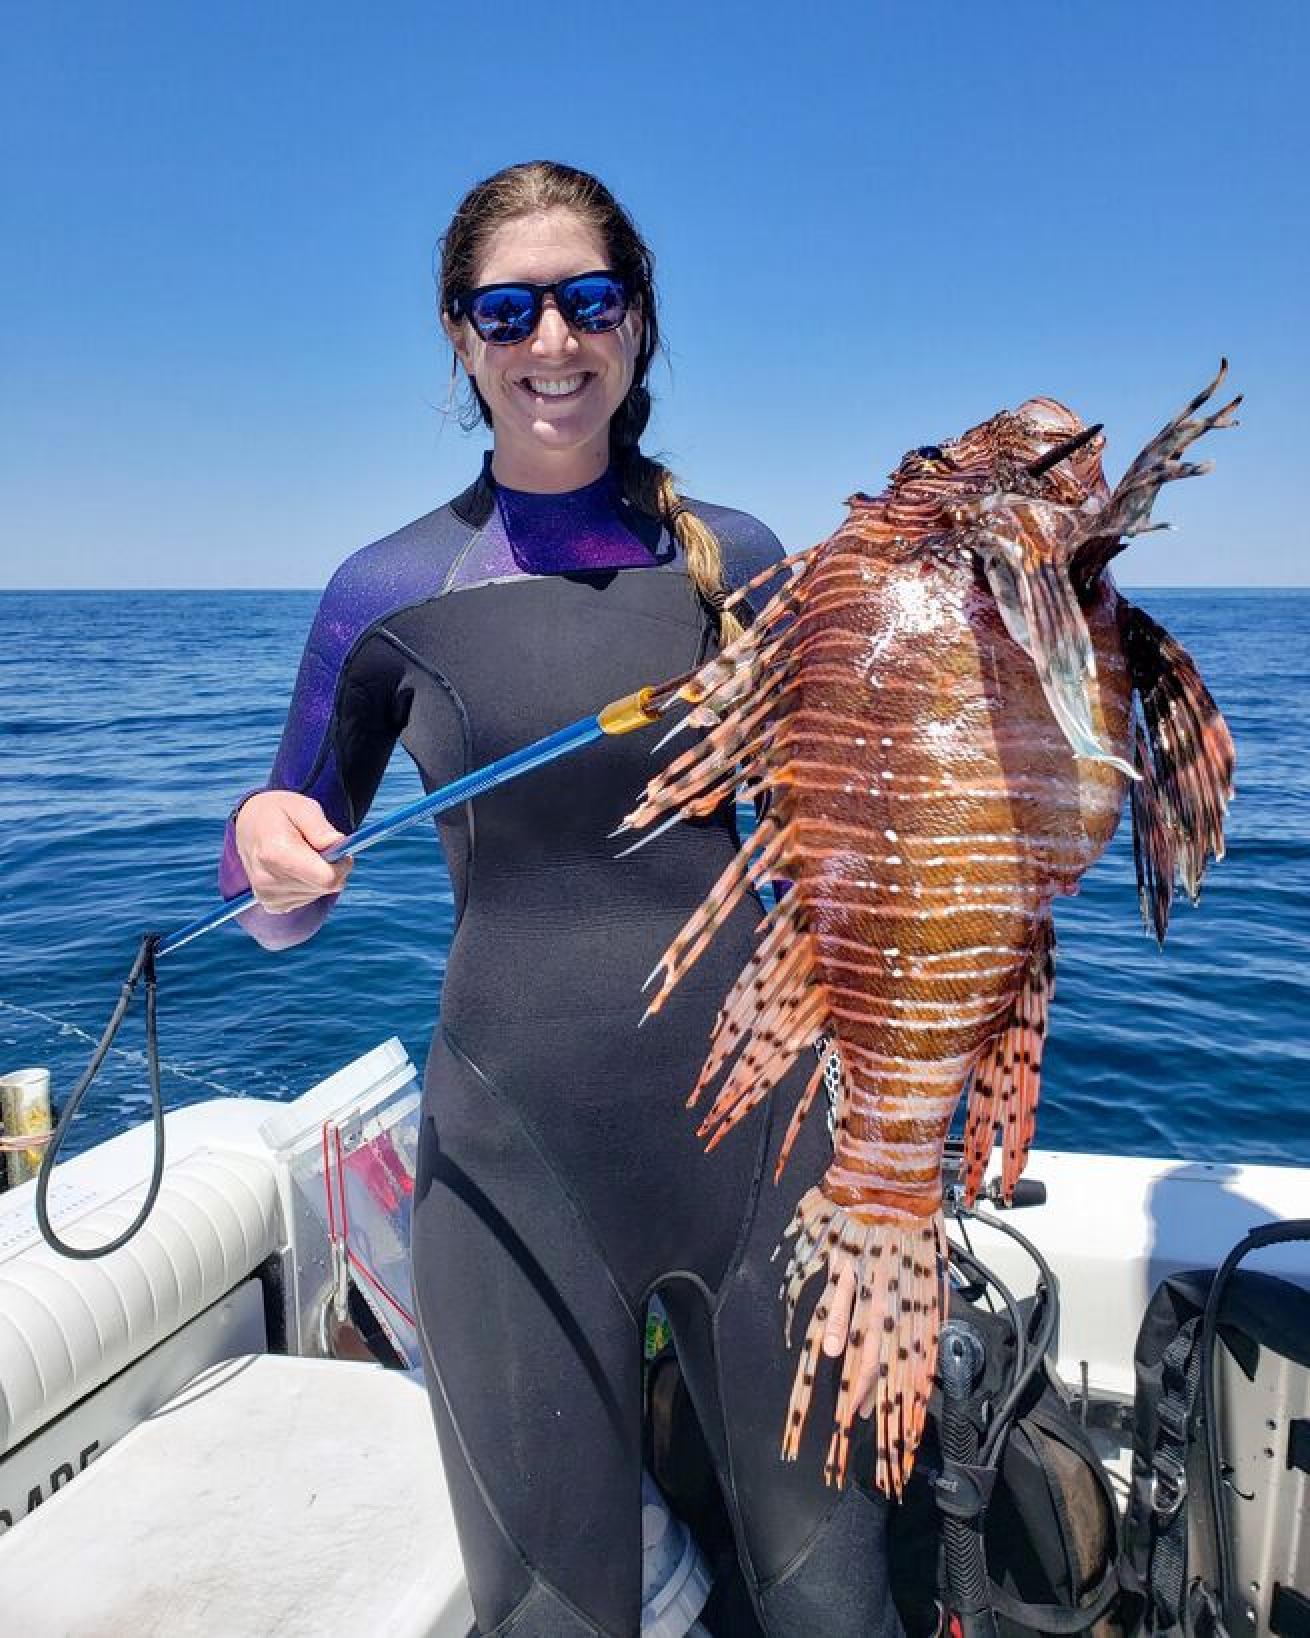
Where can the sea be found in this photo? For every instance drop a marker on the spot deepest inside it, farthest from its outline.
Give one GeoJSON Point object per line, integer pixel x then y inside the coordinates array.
{"type": "Point", "coordinates": [129, 722]}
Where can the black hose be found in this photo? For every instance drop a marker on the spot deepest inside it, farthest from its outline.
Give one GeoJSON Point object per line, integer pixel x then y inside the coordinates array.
{"type": "Point", "coordinates": [981, 1273]}
{"type": "Point", "coordinates": [142, 967]}
{"type": "Point", "coordinates": [1048, 1289]}
{"type": "Point", "coordinates": [960, 1361]}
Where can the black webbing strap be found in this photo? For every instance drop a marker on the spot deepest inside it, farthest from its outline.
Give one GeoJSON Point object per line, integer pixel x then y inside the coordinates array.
{"type": "Point", "coordinates": [1180, 1370]}
{"type": "Point", "coordinates": [1059, 1619]}
{"type": "Point", "coordinates": [142, 967]}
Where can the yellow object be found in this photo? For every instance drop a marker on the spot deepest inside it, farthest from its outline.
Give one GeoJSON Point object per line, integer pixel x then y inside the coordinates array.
{"type": "Point", "coordinates": [632, 711]}
{"type": "Point", "coordinates": [24, 1113]}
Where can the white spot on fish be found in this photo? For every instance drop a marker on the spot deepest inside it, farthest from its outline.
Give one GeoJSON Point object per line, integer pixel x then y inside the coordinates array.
{"type": "Point", "coordinates": [886, 739]}
{"type": "Point", "coordinates": [886, 774]}
{"type": "Point", "coordinates": [890, 835]}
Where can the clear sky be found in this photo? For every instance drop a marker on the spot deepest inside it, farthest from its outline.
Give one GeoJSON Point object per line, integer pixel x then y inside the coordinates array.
{"type": "Point", "coordinates": [874, 225]}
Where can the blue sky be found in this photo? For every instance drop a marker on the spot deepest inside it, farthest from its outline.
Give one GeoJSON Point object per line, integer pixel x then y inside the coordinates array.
{"type": "Point", "coordinates": [874, 225]}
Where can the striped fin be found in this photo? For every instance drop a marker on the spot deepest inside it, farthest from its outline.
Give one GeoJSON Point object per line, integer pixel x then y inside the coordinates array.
{"type": "Point", "coordinates": [898, 1270]}
{"type": "Point", "coordinates": [749, 867]}
{"type": "Point", "coordinates": [1007, 1078]}
{"type": "Point", "coordinates": [1037, 602]}
{"type": "Point", "coordinates": [736, 695]}
{"type": "Point", "coordinates": [1128, 512]}
{"type": "Point", "coordinates": [1186, 758]}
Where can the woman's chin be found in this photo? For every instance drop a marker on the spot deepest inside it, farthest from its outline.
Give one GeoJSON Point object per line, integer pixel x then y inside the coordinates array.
{"type": "Point", "coordinates": [562, 432]}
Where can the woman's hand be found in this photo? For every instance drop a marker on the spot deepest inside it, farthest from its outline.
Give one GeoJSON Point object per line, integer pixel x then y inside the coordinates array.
{"type": "Point", "coordinates": [279, 836]}
{"type": "Point", "coordinates": [834, 1342]}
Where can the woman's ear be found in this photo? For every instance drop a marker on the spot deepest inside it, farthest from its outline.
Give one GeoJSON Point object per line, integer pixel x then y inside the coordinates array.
{"type": "Point", "coordinates": [457, 333]}
{"type": "Point", "coordinates": [634, 323]}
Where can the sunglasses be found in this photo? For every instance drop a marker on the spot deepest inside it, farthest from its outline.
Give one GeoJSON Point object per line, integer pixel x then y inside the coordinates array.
{"type": "Point", "coordinates": [506, 313]}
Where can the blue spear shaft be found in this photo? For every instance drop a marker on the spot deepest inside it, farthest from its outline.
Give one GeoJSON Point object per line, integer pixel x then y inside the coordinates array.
{"type": "Point", "coordinates": [619, 717]}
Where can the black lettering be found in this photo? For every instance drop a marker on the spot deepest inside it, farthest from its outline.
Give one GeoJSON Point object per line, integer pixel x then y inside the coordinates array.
{"type": "Point", "coordinates": [87, 1454]}
{"type": "Point", "coordinates": [6, 1519]}
{"type": "Point", "coordinates": [61, 1475]}
{"type": "Point", "coordinates": [34, 1499]}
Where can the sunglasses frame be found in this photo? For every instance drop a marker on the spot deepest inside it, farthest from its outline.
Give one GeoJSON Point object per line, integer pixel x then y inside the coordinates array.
{"type": "Point", "coordinates": [461, 303]}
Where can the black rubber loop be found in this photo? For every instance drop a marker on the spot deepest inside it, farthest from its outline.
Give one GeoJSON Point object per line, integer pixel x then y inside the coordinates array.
{"type": "Point", "coordinates": [142, 967]}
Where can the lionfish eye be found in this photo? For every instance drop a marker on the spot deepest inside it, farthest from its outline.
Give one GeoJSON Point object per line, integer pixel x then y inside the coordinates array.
{"type": "Point", "coordinates": [929, 452]}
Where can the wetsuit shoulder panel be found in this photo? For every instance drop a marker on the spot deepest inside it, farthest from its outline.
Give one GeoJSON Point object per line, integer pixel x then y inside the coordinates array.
{"type": "Point", "coordinates": [749, 546]}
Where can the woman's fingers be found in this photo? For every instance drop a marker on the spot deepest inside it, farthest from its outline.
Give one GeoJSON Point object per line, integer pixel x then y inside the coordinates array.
{"type": "Point", "coordinates": [867, 1379]}
{"type": "Point", "coordinates": [834, 1332]}
{"type": "Point", "coordinates": [866, 1367]}
{"type": "Point", "coordinates": [280, 837]}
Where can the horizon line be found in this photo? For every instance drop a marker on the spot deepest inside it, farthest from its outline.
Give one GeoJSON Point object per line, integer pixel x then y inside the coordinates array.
{"type": "Point", "coordinates": [255, 591]}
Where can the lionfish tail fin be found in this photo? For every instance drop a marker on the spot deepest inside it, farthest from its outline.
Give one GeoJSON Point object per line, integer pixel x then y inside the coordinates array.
{"type": "Point", "coordinates": [1107, 531]}
{"type": "Point", "coordinates": [898, 1268]}
{"type": "Point", "coordinates": [1007, 1078]}
{"type": "Point", "coordinates": [1186, 756]}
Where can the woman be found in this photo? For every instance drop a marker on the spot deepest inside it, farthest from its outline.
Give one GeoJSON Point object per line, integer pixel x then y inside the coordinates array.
{"type": "Point", "coordinates": [560, 1180]}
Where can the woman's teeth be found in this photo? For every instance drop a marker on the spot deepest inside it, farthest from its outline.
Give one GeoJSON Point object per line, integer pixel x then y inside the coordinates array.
{"type": "Point", "coordinates": [544, 387]}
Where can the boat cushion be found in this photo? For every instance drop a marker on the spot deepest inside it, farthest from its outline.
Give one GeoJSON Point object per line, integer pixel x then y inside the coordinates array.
{"type": "Point", "coordinates": [67, 1326]}
{"type": "Point", "coordinates": [273, 1494]}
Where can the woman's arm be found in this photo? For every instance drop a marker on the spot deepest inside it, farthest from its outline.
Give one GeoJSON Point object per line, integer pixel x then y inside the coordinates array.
{"type": "Point", "coordinates": [339, 735]}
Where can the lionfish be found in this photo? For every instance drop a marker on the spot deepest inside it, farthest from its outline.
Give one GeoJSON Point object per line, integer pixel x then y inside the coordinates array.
{"type": "Point", "coordinates": [944, 706]}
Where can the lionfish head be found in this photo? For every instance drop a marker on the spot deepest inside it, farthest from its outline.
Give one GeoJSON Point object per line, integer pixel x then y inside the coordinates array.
{"type": "Point", "coordinates": [1040, 451]}
{"type": "Point", "coordinates": [1023, 495]}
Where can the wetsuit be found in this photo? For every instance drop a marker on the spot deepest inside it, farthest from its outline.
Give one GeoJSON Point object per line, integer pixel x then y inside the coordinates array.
{"type": "Point", "coordinates": [560, 1180]}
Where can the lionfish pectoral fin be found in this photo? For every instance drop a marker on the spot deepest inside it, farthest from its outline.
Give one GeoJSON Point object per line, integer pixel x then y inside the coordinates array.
{"type": "Point", "coordinates": [1037, 603]}
{"type": "Point", "coordinates": [1007, 1078]}
{"type": "Point", "coordinates": [1186, 756]}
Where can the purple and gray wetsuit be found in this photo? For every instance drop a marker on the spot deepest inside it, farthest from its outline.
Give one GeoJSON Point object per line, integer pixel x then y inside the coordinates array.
{"type": "Point", "coordinates": [560, 1180]}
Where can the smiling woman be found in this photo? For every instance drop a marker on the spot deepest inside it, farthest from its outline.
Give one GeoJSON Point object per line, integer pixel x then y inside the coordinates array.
{"type": "Point", "coordinates": [560, 1182]}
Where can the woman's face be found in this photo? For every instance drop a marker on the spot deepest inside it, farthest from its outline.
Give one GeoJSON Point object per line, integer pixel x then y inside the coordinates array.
{"type": "Point", "coordinates": [557, 441]}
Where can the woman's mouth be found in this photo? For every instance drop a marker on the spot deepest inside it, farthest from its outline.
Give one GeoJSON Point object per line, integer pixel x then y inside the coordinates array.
{"type": "Point", "coordinates": [554, 389]}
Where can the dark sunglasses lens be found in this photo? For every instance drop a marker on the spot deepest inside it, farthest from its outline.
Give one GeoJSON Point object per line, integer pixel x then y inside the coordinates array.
{"type": "Point", "coordinates": [594, 303]}
{"type": "Point", "coordinates": [503, 315]}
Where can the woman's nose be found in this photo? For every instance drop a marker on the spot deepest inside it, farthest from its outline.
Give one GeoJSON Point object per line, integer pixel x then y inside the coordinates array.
{"type": "Point", "coordinates": [552, 337]}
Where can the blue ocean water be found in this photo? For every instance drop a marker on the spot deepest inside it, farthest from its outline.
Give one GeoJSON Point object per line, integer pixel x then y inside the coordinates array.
{"type": "Point", "coordinates": [129, 721]}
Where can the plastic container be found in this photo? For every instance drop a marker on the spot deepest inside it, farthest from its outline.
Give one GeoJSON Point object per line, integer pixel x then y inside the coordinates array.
{"type": "Point", "coordinates": [675, 1579]}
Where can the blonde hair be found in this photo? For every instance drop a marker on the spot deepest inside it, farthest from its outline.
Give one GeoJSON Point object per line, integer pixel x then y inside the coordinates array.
{"type": "Point", "coordinates": [541, 185]}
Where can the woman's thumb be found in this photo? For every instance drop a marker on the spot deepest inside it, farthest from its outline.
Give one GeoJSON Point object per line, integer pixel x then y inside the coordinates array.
{"type": "Point", "coordinates": [319, 831]}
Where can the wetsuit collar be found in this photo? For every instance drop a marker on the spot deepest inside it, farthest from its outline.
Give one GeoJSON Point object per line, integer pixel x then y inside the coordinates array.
{"type": "Point", "coordinates": [581, 530]}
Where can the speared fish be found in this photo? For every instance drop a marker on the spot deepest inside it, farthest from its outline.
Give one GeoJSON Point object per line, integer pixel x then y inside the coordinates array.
{"type": "Point", "coordinates": [944, 705]}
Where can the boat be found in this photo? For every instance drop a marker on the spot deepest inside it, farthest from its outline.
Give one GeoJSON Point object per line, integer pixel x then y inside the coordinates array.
{"type": "Point", "coordinates": [222, 1427]}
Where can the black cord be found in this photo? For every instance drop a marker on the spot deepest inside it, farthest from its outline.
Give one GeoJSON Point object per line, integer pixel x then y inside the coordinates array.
{"type": "Point", "coordinates": [142, 967]}
{"type": "Point", "coordinates": [1026, 1367]}
{"type": "Point", "coordinates": [968, 1245]}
